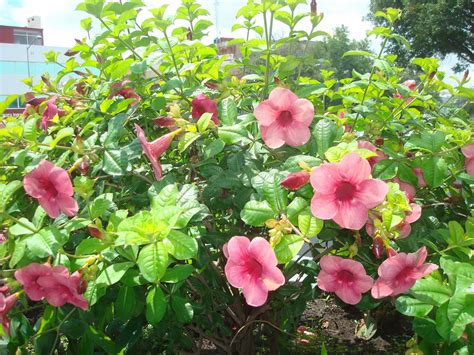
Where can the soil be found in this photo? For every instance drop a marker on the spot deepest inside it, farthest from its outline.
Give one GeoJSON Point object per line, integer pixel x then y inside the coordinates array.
{"type": "Point", "coordinates": [334, 325]}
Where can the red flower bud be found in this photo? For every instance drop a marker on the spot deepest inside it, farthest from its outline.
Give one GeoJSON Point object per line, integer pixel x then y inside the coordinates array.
{"type": "Point", "coordinates": [165, 121]}
{"type": "Point", "coordinates": [378, 248]}
{"type": "Point", "coordinates": [84, 166]}
{"type": "Point", "coordinates": [466, 74]}
{"type": "Point", "coordinates": [95, 232]}
{"type": "Point", "coordinates": [301, 329]}
{"type": "Point", "coordinates": [189, 35]}
{"type": "Point", "coordinates": [314, 8]}
{"type": "Point", "coordinates": [391, 252]}
{"type": "Point", "coordinates": [295, 180]}
{"type": "Point", "coordinates": [457, 184]}
{"type": "Point", "coordinates": [213, 86]}
{"type": "Point", "coordinates": [409, 154]}
{"type": "Point", "coordinates": [379, 141]}
{"type": "Point", "coordinates": [431, 76]}
{"type": "Point", "coordinates": [303, 341]}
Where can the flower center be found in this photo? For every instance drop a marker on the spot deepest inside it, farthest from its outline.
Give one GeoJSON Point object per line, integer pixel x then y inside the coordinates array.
{"type": "Point", "coordinates": [253, 268]}
{"type": "Point", "coordinates": [285, 118]}
{"type": "Point", "coordinates": [49, 188]}
{"type": "Point", "coordinates": [345, 276]}
{"type": "Point", "coordinates": [345, 191]}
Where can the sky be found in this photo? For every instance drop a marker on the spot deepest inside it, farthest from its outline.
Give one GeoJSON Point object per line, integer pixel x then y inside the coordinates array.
{"type": "Point", "coordinates": [61, 25]}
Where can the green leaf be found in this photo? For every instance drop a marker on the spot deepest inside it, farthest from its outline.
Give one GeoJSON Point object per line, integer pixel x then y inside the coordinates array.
{"type": "Point", "coordinates": [432, 142]}
{"type": "Point", "coordinates": [125, 303]}
{"type": "Point", "coordinates": [203, 122]}
{"type": "Point", "coordinates": [113, 273]}
{"type": "Point", "coordinates": [309, 225]}
{"type": "Point", "coordinates": [99, 206]}
{"type": "Point", "coordinates": [186, 140]}
{"type": "Point", "coordinates": [426, 327]}
{"type": "Point", "coordinates": [412, 307]}
{"type": "Point", "coordinates": [256, 213]}
{"type": "Point", "coordinates": [431, 291]}
{"type": "Point", "coordinates": [153, 261]}
{"type": "Point", "coordinates": [155, 305]}
{"type": "Point", "coordinates": [275, 195]}
{"type": "Point", "coordinates": [22, 227]}
{"type": "Point", "coordinates": [214, 148]}
{"type": "Point", "coordinates": [180, 245]}
{"type": "Point", "coordinates": [166, 197]}
{"type": "Point", "coordinates": [18, 253]}
{"type": "Point", "coordinates": [228, 111]}
{"type": "Point", "coordinates": [158, 103]}
{"type": "Point", "coordinates": [385, 169]}
{"type": "Point", "coordinates": [233, 134]}
{"type": "Point", "coordinates": [295, 208]}
{"type": "Point", "coordinates": [288, 247]}
{"type": "Point", "coordinates": [183, 309]}
{"type": "Point", "coordinates": [115, 161]}
{"type": "Point", "coordinates": [325, 133]}
{"type": "Point", "coordinates": [143, 228]}
{"type": "Point", "coordinates": [63, 133]}
{"type": "Point", "coordinates": [178, 273]}
{"type": "Point", "coordinates": [90, 246]}
{"type": "Point", "coordinates": [360, 53]}
{"type": "Point", "coordinates": [44, 243]}
{"type": "Point", "coordinates": [435, 170]}
{"type": "Point", "coordinates": [6, 193]}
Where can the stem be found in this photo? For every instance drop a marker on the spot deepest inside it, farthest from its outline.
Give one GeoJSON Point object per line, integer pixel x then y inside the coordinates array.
{"type": "Point", "coordinates": [370, 82]}
{"type": "Point", "coordinates": [268, 37]}
{"type": "Point", "coordinates": [174, 62]}
{"type": "Point", "coordinates": [300, 66]}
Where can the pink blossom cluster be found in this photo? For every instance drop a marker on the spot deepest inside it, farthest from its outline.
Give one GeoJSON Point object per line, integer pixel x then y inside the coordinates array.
{"type": "Point", "coordinates": [123, 89]}
{"type": "Point", "coordinates": [52, 187]}
{"type": "Point", "coordinates": [348, 279]}
{"type": "Point", "coordinates": [50, 111]}
{"type": "Point", "coordinates": [252, 267]}
{"type": "Point", "coordinates": [53, 283]}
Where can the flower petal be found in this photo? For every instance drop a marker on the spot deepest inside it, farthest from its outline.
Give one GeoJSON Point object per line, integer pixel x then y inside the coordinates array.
{"type": "Point", "coordinates": [50, 206]}
{"type": "Point", "coordinates": [273, 135]}
{"type": "Point", "coordinates": [468, 150]}
{"type": "Point", "coordinates": [349, 295]}
{"type": "Point", "coordinates": [255, 292]}
{"type": "Point", "coordinates": [469, 165]}
{"type": "Point", "coordinates": [324, 178]}
{"type": "Point", "coordinates": [67, 205]}
{"type": "Point", "coordinates": [61, 180]}
{"type": "Point", "coordinates": [413, 215]}
{"type": "Point", "coordinates": [237, 248]}
{"type": "Point", "coordinates": [354, 168]}
{"type": "Point", "coordinates": [296, 134]}
{"type": "Point", "coordinates": [236, 274]}
{"type": "Point", "coordinates": [272, 277]}
{"type": "Point", "coordinates": [324, 206]}
{"type": "Point", "coordinates": [351, 215]}
{"type": "Point", "coordinates": [282, 98]}
{"type": "Point", "coordinates": [302, 110]}
{"type": "Point", "coordinates": [261, 250]}
{"type": "Point", "coordinates": [266, 113]}
{"type": "Point", "coordinates": [327, 282]}
{"type": "Point", "coordinates": [382, 288]}
{"type": "Point", "coordinates": [371, 193]}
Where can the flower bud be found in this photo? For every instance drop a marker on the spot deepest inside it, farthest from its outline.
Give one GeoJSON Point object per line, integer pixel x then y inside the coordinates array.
{"type": "Point", "coordinates": [189, 35]}
{"type": "Point", "coordinates": [391, 252]}
{"type": "Point", "coordinates": [379, 141]}
{"type": "Point", "coordinates": [431, 76]}
{"type": "Point", "coordinates": [377, 247]}
{"type": "Point", "coordinates": [165, 121]}
{"type": "Point", "coordinates": [95, 232]}
{"type": "Point", "coordinates": [466, 74]}
{"type": "Point", "coordinates": [295, 180]}
{"type": "Point", "coordinates": [314, 8]}
{"type": "Point", "coordinates": [84, 166]}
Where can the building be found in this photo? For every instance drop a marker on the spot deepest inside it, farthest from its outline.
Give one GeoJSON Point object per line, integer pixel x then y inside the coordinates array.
{"type": "Point", "coordinates": [22, 55]}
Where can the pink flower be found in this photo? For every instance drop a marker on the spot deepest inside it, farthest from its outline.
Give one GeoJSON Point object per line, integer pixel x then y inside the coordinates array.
{"type": "Point", "coordinates": [155, 149]}
{"type": "Point", "coordinates": [49, 113]}
{"type": "Point", "coordinates": [411, 84]}
{"type": "Point", "coordinates": [410, 217]}
{"type": "Point", "coordinates": [341, 115]}
{"type": "Point", "coordinates": [284, 118]}
{"type": "Point", "coordinates": [252, 266]}
{"type": "Point", "coordinates": [55, 284]}
{"type": "Point", "coordinates": [295, 180]}
{"type": "Point", "coordinates": [421, 178]}
{"type": "Point", "coordinates": [6, 304]}
{"type": "Point", "coordinates": [399, 273]}
{"type": "Point", "coordinates": [344, 192]}
{"type": "Point", "coordinates": [409, 189]}
{"type": "Point", "coordinates": [120, 89]}
{"type": "Point", "coordinates": [202, 104]}
{"type": "Point", "coordinates": [468, 151]}
{"type": "Point", "coordinates": [165, 121]}
{"type": "Point", "coordinates": [398, 95]}
{"type": "Point", "coordinates": [346, 277]}
{"type": "Point", "coordinates": [52, 187]}
{"type": "Point", "coordinates": [372, 160]}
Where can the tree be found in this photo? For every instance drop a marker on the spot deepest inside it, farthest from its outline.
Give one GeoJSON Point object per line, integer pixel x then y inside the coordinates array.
{"type": "Point", "coordinates": [432, 27]}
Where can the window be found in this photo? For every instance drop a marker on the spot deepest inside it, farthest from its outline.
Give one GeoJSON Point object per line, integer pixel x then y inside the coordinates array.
{"type": "Point", "coordinates": [26, 36]}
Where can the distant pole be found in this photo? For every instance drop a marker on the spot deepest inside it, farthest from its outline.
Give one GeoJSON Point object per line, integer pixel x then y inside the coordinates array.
{"type": "Point", "coordinates": [216, 6]}
{"type": "Point", "coordinates": [28, 52]}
